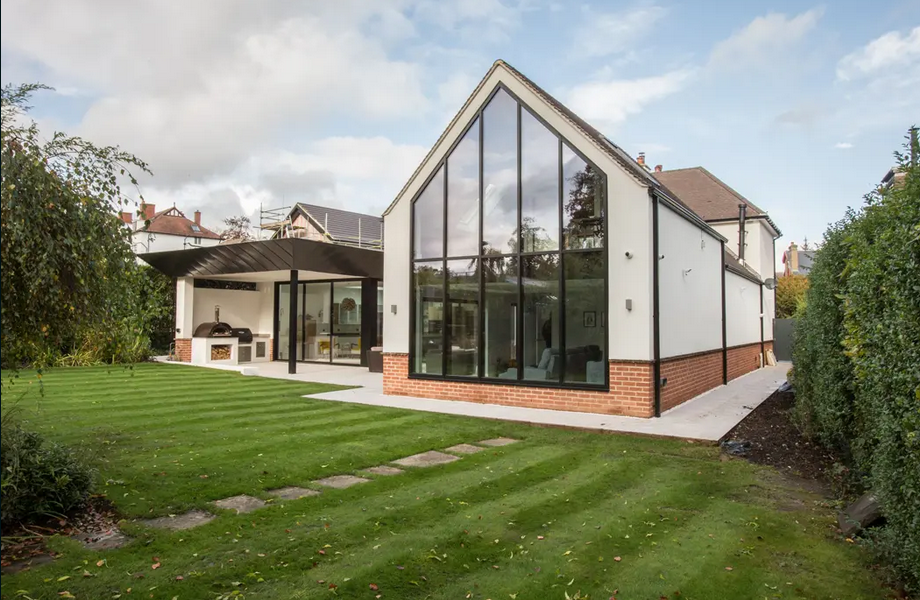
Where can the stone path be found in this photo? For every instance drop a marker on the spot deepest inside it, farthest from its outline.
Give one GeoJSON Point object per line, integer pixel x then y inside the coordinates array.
{"type": "Point", "coordinates": [340, 482]}
{"type": "Point", "coordinates": [292, 493]}
{"type": "Point", "coordinates": [192, 518]}
{"type": "Point", "coordinates": [427, 459]}
{"type": "Point", "coordinates": [464, 449]}
{"type": "Point", "coordinates": [241, 504]}
{"type": "Point", "coordinates": [385, 470]}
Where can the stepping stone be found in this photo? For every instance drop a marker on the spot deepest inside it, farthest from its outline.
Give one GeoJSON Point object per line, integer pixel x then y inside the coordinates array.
{"type": "Point", "coordinates": [27, 563]}
{"type": "Point", "coordinates": [292, 493]}
{"type": "Point", "coordinates": [102, 540]}
{"type": "Point", "coordinates": [384, 470]}
{"type": "Point", "coordinates": [427, 459]}
{"type": "Point", "coordinates": [341, 482]}
{"type": "Point", "coordinates": [192, 518]}
{"type": "Point", "coordinates": [241, 503]}
{"type": "Point", "coordinates": [495, 442]}
{"type": "Point", "coordinates": [464, 449]}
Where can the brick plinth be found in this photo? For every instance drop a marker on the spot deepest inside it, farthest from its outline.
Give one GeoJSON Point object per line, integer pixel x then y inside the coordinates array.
{"type": "Point", "coordinates": [184, 349]}
{"type": "Point", "coordinates": [689, 376]}
{"type": "Point", "coordinates": [743, 360]}
{"type": "Point", "coordinates": [631, 391]}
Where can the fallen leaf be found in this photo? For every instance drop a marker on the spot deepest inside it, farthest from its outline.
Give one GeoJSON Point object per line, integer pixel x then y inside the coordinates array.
{"type": "Point", "coordinates": [617, 558]}
{"type": "Point", "coordinates": [729, 569]}
{"type": "Point", "coordinates": [99, 563]}
{"type": "Point", "coordinates": [374, 587]}
{"type": "Point", "coordinates": [179, 577]}
{"type": "Point", "coordinates": [64, 578]}
{"type": "Point", "coordinates": [155, 566]}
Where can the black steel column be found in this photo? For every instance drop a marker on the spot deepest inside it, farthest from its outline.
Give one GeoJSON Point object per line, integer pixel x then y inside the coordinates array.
{"type": "Point", "coordinates": [292, 325]}
{"type": "Point", "coordinates": [368, 317]}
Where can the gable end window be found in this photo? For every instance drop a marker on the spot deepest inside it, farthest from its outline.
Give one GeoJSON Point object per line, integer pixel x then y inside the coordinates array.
{"type": "Point", "coordinates": [509, 258]}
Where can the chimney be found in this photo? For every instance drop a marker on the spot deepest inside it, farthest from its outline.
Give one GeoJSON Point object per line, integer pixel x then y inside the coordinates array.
{"type": "Point", "coordinates": [793, 257]}
{"type": "Point", "coordinates": [742, 232]}
{"type": "Point", "coordinates": [658, 168]}
{"type": "Point", "coordinates": [149, 210]}
{"type": "Point", "coordinates": [126, 217]}
{"type": "Point", "coordinates": [197, 217]}
{"type": "Point", "coordinates": [641, 159]}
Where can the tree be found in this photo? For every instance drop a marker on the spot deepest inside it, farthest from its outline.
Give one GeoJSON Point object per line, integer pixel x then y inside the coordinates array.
{"type": "Point", "coordinates": [69, 279]}
{"type": "Point", "coordinates": [237, 228]}
{"type": "Point", "coordinates": [790, 294]}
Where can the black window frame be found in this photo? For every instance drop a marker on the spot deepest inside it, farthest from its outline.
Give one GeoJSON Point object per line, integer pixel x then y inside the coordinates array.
{"type": "Point", "coordinates": [561, 252]}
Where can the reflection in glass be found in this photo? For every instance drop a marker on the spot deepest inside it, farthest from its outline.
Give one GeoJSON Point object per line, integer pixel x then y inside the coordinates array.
{"type": "Point", "coordinates": [540, 279]}
{"type": "Point", "coordinates": [316, 325]}
{"type": "Point", "coordinates": [499, 174]}
{"type": "Point", "coordinates": [539, 186]}
{"type": "Point", "coordinates": [582, 202]}
{"type": "Point", "coordinates": [346, 325]}
{"type": "Point", "coordinates": [585, 319]}
{"type": "Point", "coordinates": [429, 219]}
{"type": "Point", "coordinates": [463, 195]}
{"type": "Point", "coordinates": [428, 286]}
{"type": "Point", "coordinates": [463, 325]}
{"type": "Point", "coordinates": [500, 316]}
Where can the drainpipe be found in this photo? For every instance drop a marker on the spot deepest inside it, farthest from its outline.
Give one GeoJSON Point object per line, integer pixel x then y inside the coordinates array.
{"type": "Point", "coordinates": [656, 320]}
{"type": "Point", "coordinates": [724, 327]}
{"type": "Point", "coordinates": [742, 217]}
{"type": "Point", "coordinates": [763, 357]}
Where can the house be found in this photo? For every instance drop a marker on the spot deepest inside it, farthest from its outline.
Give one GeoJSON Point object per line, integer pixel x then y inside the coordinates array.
{"type": "Point", "coordinates": [530, 261]}
{"type": "Point", "coordinates": [545, 267]}
{"type": "Point", "coordinates": [167, 230]}
{"type": "Point", "coordinates": [797, 261]}
{"type": "Point", "coordinates": [321, 223]}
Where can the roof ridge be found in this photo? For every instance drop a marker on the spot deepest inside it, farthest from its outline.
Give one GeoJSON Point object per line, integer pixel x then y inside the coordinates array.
{"type": "Point", "coordinates": [731, 190]}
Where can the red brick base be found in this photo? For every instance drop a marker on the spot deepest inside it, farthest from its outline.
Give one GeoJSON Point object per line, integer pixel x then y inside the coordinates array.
{"type": "Point", "coordinates": [631, 391]}
{"type": "Point", "coordinates": [744, 359]}
{"type": "Point", "coordinates": [688, 376]}
{"type": "Point", "coordinates": [184, 349]}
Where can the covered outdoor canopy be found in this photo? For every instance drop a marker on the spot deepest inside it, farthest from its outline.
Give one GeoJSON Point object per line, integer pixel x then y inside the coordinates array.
{"type": "Point", "coordinates": [287, 254]}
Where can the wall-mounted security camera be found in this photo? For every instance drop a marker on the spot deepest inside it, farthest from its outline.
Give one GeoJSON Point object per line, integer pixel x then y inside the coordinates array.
{"type": "Point", "coordinates": [629, 254]}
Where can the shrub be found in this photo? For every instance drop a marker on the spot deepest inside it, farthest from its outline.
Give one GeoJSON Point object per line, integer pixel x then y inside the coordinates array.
{"type": "Point", "coordinates": [790, 293]}
{"type": "Point", "coordinates": [857, 358]}
{"type": "Point", "coordinates": [40, 478]}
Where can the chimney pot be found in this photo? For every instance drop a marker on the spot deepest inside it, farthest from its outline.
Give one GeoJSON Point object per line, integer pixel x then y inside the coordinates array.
{"type": "Point", "coordinates": [641, 159]}
{"type": "Point", "coordinates": [197, 217]}
{"type": "Point", "coordinates": [658, 168]}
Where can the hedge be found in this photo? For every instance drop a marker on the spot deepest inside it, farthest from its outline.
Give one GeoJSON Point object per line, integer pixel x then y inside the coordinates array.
{"type": "Point", "coordinates": [856, 358]}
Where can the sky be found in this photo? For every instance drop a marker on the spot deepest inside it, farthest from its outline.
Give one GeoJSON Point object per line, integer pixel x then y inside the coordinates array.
{"type": "Point", "coordinates": [236, 105]}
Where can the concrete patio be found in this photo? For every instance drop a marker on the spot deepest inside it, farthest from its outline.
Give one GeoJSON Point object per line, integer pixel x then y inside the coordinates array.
{"type": "Point", "coordinates": [707, 417]}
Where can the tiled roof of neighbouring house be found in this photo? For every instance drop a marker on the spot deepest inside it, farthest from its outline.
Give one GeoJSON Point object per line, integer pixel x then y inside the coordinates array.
{"type": "Point", "coordinates": [706, 194]}
{"type": "Point", "coordinates": [345, 225]}
{"type": "Point", "coordinates": [173, 222]}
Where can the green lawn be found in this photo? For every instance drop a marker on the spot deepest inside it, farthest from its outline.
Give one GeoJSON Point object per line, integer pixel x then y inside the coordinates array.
{"type": "Point", "coordinates": [559, 514]}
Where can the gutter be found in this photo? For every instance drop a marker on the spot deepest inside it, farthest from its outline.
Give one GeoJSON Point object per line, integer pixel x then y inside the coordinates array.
{"type": "Point", "coordinates": [656, 320]}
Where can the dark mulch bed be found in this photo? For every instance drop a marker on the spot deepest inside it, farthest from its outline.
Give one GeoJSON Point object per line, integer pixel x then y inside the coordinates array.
{"type": "Point", "coordinates": [768, 436]}
{"type": "Point", "coordinates": [25, 545]}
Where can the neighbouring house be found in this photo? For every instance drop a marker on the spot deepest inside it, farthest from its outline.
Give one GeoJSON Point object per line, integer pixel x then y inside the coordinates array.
{"type": "Point", "coordinates": [530, 261]}
{"type": "Point", "coordinates": [166, 230]}
{"type": "Point", "coordinates": [797, 261]}
{"type": "Point", "coordinates": [547, 268]}
{"type": "Point", "coordinates": [321, 223]}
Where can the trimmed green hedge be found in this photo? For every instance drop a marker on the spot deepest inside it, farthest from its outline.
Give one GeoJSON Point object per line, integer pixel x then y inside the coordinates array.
{"type": "Point", "coordinates": [857, 358]}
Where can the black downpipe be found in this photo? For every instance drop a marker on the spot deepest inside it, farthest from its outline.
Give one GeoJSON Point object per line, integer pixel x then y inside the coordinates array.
{"type": "Point", "coordinates": [724, 323]}
{"type": "Point", "coordinates": [656, 326]}
{"type": "Point", "coordinates": [763, 357]}
{"type": "Point", "coordinates": [292, 325]}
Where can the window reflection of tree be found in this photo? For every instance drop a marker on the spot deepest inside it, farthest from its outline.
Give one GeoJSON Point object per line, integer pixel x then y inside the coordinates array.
{"type": "Point", "coordinates": [584, 222]}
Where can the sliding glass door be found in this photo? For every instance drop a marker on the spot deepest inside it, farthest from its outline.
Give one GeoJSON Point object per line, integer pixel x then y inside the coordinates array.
{"type": "Point", "coordinates": [328, 322]}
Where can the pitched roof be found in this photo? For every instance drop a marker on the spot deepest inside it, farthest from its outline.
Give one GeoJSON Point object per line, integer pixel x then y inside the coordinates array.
{"type": "Point", "coordinates": [172, 221]}
{"type": "Point", "coordinates": [616, 153]}
{"type": "Point", "coordinates": [706, 194]}
{"type": "Point", "coordinates": [345, 225]}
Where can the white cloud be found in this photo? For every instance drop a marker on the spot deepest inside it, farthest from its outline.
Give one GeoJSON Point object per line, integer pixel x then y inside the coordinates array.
{"type": "Point", "coordinates": [762, 40]}
{"type": "Point", "coordinates": [610, 101]}
{"type": "Point", "coordinates": [616, 32]}
{"type": "Point", "coordinates": [843, 145]}
{"type": "Point", "coordinates": [881, 55]}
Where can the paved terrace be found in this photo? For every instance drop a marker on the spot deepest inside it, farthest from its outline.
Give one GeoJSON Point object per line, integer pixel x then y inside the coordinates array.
{"type": "Point", "coordinates": [707, 417]}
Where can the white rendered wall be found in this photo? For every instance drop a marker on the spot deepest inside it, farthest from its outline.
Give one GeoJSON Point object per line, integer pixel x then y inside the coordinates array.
{"type": "Point", "coordinates": [144, 242]}
{"type": "Point", "coordinates": [689, 286]}
{"type": "Point", "coordinates": [628, 212]}
{"type": "Point", "coordinates": [742, 310]}
{"type": "Point", "coordinates": [266, 320]}
{"type": "Point", "coordinates": [185, 297]}
{"type": "Point", "coordinates": [730, 232]}
{"type": "Point", "coordinates": [238, 308]}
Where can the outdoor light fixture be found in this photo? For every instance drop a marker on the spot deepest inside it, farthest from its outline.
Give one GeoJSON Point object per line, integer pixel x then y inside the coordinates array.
{"type": "Point", "coordinates": [393, 308]}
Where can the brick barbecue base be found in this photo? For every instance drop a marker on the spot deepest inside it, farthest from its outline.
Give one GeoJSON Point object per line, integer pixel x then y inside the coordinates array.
{"type": "Point", "coordinates": [631, 390]}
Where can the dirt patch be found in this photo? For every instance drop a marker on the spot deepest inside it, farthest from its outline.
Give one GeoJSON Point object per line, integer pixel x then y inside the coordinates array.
{"type": "Point", "coordinates": [768, 436]}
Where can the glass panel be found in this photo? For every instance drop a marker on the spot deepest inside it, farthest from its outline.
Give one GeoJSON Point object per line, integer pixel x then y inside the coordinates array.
{"type": "Point", "coordinates": [346, 322]}
{"type": "Point", "coordinates": [500, 316]}
{"type": "Point", "coordinates": [428, 282]}
{"type": "Point", "coordinates": [463, 196]}
{"type": "Point", "coordinates": [463, 326]}
{"type": "Point", "coordinates": [379, 314]}
{"type": "Point", "coordinates": [540, 279]}
{"type": "Point", "coordinates": [499, 175]}
{"type": "Point", "coordinates": [429, 219]}
{"type": "Point", "coordinates": [284, 305]}
{"type": "Point", "coordinates": [583, 202]}
{"type": "Point", "coordinates": [539, 186]}
{"type": "Point", "coordinates": [316, 323]}
{"type": "Point", "coordinates": [585, 318]}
